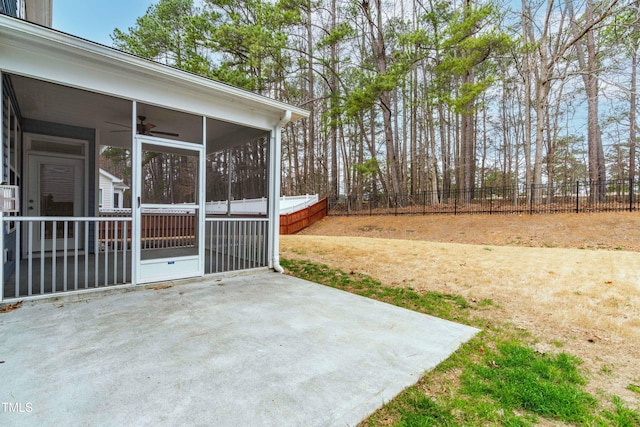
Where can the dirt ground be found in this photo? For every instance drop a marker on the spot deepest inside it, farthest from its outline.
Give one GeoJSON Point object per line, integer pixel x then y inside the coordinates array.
{"type": "Point", "coordinates": [571, 280]}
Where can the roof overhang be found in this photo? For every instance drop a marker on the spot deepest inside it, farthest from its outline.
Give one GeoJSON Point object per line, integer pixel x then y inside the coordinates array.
{"type": "Point", "coordinates": [41, 53]}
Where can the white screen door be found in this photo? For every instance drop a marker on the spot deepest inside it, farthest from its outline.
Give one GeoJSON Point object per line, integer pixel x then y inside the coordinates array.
{"type": "Point", "coordinates": [169, 210]}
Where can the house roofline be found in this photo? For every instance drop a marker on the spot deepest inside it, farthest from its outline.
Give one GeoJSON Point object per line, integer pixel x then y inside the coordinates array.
{"type": "Point", "coordinates": [15, 28]}
{"type": "Point", "coordinates": [112, 177]}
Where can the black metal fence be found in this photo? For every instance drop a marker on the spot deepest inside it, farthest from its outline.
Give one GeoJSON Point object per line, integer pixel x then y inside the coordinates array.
{"type": "Point", "coordinates": [603, 196]}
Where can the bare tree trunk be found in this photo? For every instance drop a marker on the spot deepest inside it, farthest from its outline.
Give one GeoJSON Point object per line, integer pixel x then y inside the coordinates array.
{"type": "Point", "coordinates": [414, 172]}
{"type": "Point", "coordinates": [594, 133]}
{"type": "Point", "coordinates": [413, 134]}
{"type": "Point", "coordinates": [456, 152]}
{"type": "Point", "coordinates": [484, 145]}
{"type": "Point", "coordinates": [506, 133]}
{"type": "Point", "coordinates": [542, 76]}
{"type": "Point", "coordinates": [310, 137]}
{"type": "Point", "coordinates": [632, 114]}
{"type": "Point", "coordinates": [467, 144]}
{"type": "Point", "coordinates": [467, 134]}
{"type": "Point", "coordinates": [527, 35]}
{"type": "Point", "coordinates": [445, 147]}
{"type": "Point", "coordinates": [333, 81]}
{"type": "Point", "coordinates": [384, 99]}
{"type": "Point", "coordinates": [597, 168]}
{"type": "Point", "coordinates": [633, 125]}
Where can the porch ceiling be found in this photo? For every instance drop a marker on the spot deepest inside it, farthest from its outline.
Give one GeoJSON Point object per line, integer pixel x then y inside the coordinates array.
{"type": "Point", "coordinates": [111, 116]}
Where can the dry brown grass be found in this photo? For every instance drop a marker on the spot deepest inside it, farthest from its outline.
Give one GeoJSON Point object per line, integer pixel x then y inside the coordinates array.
{"type": "Point", "coordinates": [586, 300]}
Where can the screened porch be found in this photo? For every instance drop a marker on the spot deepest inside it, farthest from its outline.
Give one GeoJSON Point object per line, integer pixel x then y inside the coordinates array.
{"type": "Point", "coordinates": [62, 237]}
{"type": "Point", "coordinates": [171, 143]}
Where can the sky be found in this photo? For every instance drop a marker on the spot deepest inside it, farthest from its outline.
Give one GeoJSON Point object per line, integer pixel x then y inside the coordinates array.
{"type": "Point", "coordinates": [95, 20]}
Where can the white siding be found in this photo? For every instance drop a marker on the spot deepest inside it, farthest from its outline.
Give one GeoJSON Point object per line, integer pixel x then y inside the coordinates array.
{"type": "Point", "coordinates": [107, 192]}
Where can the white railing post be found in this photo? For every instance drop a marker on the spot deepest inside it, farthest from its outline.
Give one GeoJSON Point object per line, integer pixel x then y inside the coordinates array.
{"type": "Point", "coordinates": [86, 251]}
{"type": "Point", "coordinates": [18, 257]}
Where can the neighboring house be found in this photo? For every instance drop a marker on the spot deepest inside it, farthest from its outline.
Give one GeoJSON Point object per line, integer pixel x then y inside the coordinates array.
{"type": "Point", "coordinates": [111, 191]}
{"type": "Point", "coordinates": [62, 98]}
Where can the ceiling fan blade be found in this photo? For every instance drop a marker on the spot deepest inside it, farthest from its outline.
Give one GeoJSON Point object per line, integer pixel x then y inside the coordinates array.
{"type": "Point", "coordinates": [146, 128]}
{"type": "Point", "coordinates": [118, 124]}
{"type": "Point", "coordinates": [164, 133]}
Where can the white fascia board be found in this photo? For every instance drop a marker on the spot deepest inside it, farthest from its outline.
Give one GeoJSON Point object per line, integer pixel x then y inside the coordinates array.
{"type": "Point", "coordinates": [49, 55]}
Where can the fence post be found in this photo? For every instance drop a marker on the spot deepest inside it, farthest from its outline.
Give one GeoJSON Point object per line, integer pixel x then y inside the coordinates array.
{"type": "Point", "coordinates": [490, 201]}
{"type": "Point", "coordinates": [577, 196]}
{"type": "Point", "coordinates": [531, 199]}
{"type": "Point", "coordinates": [504, 196]}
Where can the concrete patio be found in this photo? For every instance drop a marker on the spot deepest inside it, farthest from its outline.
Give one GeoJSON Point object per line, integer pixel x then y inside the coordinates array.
{"type": "Point", "coordinates": [262, 349]}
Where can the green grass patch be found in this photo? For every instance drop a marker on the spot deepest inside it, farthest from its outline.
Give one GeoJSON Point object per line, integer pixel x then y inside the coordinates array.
{"type": "Point", "coordinates": [606, 370]}
{"type": "Point", "coordinates": [451, 307]}
{"type": "Point", "coordinates": [367, 228]}
{"type": "Point", "coordinates": [517, 378]}
{"type": "Point", "coordinates": [425, 411]}
{"type": "Point", "coordinates": [494, 379]}
{"type": "Point", "coordinates": [486, 303]}
{"type": "Point", "coordinates": [621, 415]}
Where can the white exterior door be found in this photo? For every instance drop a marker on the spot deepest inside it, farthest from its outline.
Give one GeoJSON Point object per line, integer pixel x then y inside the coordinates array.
{"type": "Point", "coordinates": [55, 189]}
{"type": "Point", "coordinates": [168, 210]}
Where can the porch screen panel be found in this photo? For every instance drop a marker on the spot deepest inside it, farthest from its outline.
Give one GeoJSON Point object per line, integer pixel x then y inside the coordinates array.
{"type": "Point", "coordinates": [169, 218]}
{"type": "Point", "coordinates": [169, 178]}
{"type": "Point", "coordinates": [237, 178]}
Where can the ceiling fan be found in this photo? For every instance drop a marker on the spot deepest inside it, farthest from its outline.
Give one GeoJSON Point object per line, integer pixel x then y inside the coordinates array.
{"type": "Point", "coordinates": [143, 128]}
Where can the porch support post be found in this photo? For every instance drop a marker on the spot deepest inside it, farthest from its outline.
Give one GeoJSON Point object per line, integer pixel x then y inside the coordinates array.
{"type": "Point", "coordinates": [135, 197]}
{"type": "Point", "coordinates": [274, 192]}
{"type": "Point", "coordinates": [2, 179]}
{"type": "Point", "coordinates": [202, 197]}
{"type": "Point", "coordinates": [2, 235]}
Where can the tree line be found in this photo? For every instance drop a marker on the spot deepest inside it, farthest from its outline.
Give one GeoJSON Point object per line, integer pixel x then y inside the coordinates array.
{"type": "Point", "coordinates": [412, 96]}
